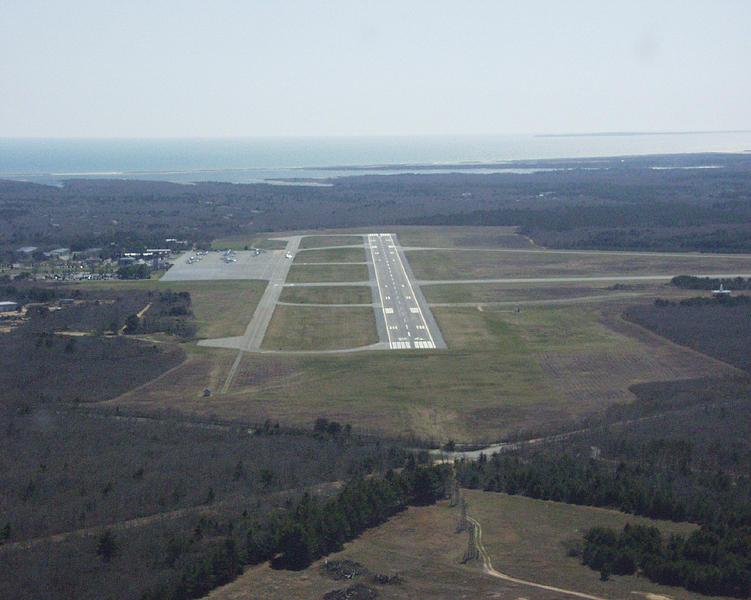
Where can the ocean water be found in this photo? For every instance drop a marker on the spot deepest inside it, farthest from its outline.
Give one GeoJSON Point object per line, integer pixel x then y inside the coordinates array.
{"type": "Point", "coordinates": [246, 160]}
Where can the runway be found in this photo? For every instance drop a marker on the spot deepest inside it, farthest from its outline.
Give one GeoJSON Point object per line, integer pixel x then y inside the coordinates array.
{"type": "Point", "coordinates": [405, 316]}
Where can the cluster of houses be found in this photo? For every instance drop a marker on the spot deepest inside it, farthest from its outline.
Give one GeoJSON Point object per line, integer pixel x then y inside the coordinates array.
{"type": "Point", "coordinates": [90, 264]}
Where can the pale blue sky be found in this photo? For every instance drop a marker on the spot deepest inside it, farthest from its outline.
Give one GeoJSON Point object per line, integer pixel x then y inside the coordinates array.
{"type": "Point", "coordinates": [232, 68]}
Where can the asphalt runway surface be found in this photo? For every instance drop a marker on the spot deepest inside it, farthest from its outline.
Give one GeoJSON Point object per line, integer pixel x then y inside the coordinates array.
{"type": "Point", "coordinates": [407, 319]}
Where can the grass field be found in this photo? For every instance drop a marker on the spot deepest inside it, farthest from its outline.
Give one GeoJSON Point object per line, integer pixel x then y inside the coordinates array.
{"type": "Point", "coordinates": [319, 328]}
{"type": "Point", "coordinates": [462, 237]}
{"type": "Point", "coordinates": [523, 537]}
{"type": "Point", "coordinates": [332, 255]}
{"type": "Point", "coordinates": [509, 292]}
{"type": "Point", "coordinates": [354, 294]}
{"type": "Point", "coordinates": [480, 264]}
{"type": "Point", "coordinates": [322, 241]}
{"type": "Point", "coordinates": [460, 394]}
{"type": "Point", "coordinates": [504, 372]}
{"type": "Point", "coordinates": [327, 273]}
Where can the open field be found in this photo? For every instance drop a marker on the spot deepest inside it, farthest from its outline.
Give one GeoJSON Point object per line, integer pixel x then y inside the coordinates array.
{"type": "Point", "coordinates": [421, 546]}
{"type": "Point", "coordinates": [592, 356]}
{"type": "Point", "coordinates": [326, 273]}
{"type": "Point", "coordinates": [320, 328]}
{"type": "Point", "coordinates": [540, 292]}
{"type": "Point", "coordinates": [322, 241]}
{"type": "Point", "coordinates": [524, 538]}
{"type": "Point", "coordinates": [496, 264]}
{"type": "Point", "coordinates": [459, 395]}
{"type": "Point", "coordinates": [504, 372]}
{"type": "Point", "coordinates": [462, 237]}
{"type": "Point", "coordinates": [355, 294]}
{"type": "Point", "coordinates": [331, 255]}
{"type": "Point", "coordinates": [223, 308]}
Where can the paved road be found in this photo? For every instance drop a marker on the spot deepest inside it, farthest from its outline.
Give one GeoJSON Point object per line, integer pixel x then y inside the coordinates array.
{"type": "Point", "coordinates": [403, 312]}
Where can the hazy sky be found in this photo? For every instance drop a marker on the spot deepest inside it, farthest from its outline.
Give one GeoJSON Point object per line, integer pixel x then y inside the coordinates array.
{"type": "Point", "coordinates": [277, 67]}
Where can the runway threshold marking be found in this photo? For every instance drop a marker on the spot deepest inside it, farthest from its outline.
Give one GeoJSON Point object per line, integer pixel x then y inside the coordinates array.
{"type": "Point", "coordinates": [412, 293]}
{"type": "Point", "coordinates": [406, 301]}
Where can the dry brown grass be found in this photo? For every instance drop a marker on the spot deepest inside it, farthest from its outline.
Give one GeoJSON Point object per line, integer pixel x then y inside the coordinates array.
{"type": "Point", "coordinates": [523, 537]}
{"type": "Point", "coordinates": [504, 372]}
{"type": "Point", "coordinates": [181, 389]}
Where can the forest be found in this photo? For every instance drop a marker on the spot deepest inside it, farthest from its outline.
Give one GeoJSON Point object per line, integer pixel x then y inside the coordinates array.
{"type": "Point", "coordinates": [720, 327]}
{"type": "Point", "coordinates": [658, 203]}
{"type": "Point", "coordinates": [90, 336]}
{"type": "Point", "coordinates": [170, 508]}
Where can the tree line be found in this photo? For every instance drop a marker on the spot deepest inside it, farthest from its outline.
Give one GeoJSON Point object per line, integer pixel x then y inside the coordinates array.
{"type": "Point", "coordinates": [712, 560]}
{"type": "Point", "coordinates": [690, 282]}
{"type": "Point", "coordinates": [312, 529]}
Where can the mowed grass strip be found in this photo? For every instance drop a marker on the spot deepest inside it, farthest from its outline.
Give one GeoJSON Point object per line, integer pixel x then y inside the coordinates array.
{"type": "Point", "coordinates": [320, 328]}
{"type": "Point", "coordinates": [354, 294]}
{"type": "Point", "coordinates": [322, 241]}
{"type": "Point", "coordinates": [327, 273]}
{"type": "Point", "coordinates": [332, 255]}
{"type": "Point", "coordinates": [482, 264]}
{"type": "Point", "coordinates": [525, 538]}
{"type": "Point", "coordinates": [504, 292]}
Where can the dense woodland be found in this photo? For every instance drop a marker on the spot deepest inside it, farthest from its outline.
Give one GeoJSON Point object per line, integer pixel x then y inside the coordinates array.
{"type": "Point", "coordinates": [169, 509]}
{"type": "Point", "coordinates": [720, 327]}
{"type": "Point", "coordinates": [636, 203]}
{"type": "Point", "coordinates": [89, 343]}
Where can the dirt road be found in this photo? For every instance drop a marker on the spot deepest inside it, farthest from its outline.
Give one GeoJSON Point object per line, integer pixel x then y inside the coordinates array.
{"type": "Point", "coordinates": [487, 567]}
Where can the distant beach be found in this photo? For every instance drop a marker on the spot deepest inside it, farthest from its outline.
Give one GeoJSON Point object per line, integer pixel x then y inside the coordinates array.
{"type": "Point", "coordinates": [275, 160]}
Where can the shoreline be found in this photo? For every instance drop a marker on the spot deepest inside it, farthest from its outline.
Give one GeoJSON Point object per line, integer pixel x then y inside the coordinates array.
{"type": "Point", "coordinates": [323, 175]}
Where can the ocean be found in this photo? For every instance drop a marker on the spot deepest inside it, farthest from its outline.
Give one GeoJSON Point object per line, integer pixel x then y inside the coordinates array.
{"type": "Point", "coordinates": [251, 160]}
